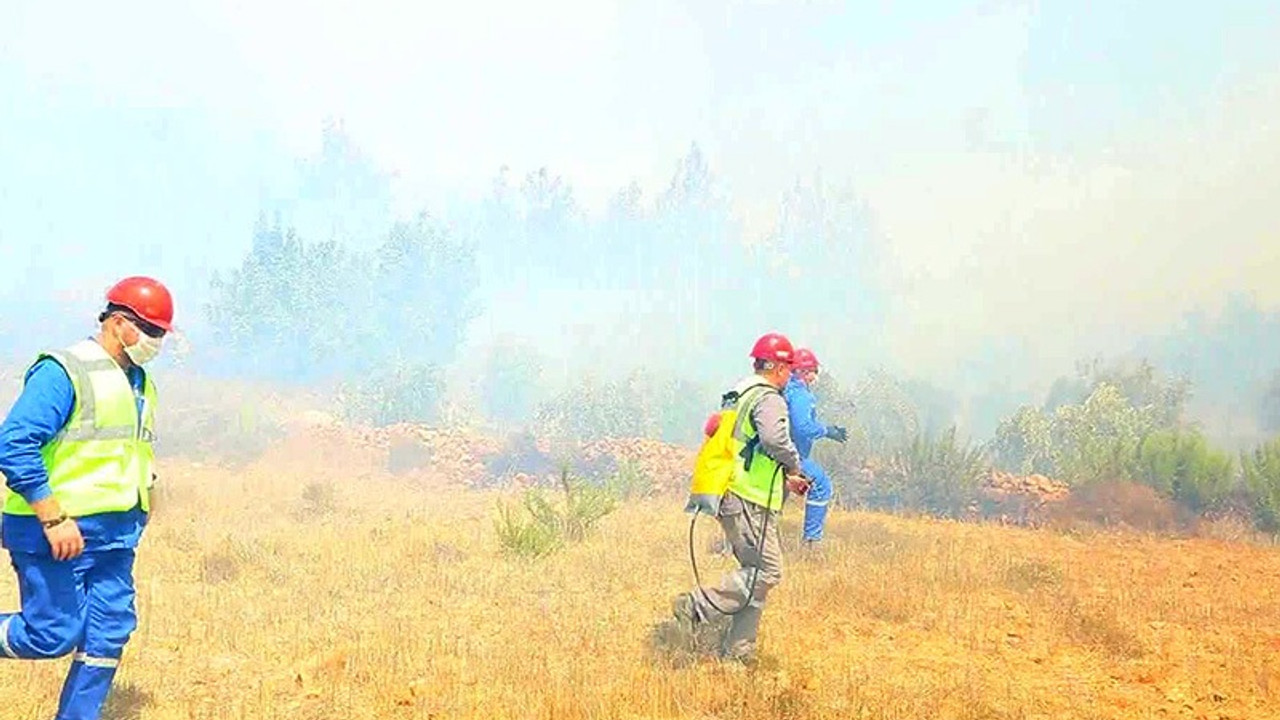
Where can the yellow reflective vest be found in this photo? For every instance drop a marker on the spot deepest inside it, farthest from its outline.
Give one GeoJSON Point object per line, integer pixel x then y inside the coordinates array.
{"type": "Point", "coordinates": [102, 459]}
{"type": "Point", "coordinates": [755, 474]}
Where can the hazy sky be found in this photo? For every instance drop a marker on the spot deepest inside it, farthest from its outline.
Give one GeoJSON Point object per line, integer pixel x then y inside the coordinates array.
{"type": "Point", "coordinates": [1051, 174]}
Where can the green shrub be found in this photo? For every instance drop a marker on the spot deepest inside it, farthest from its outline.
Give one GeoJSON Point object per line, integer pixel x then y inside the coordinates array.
{"type": "Point", "coordinates": [318, 501]}
{"type": "Point", "coordinates": [527, 537]}
{"type": "Point", "coordinates": [1262, 481]}
{"type": "Point", "coordinates": [940, 476]}
{"type": "Point", "coordinates": [1098, 440]}
{"type": "Point", "coordinates": [401, 393]}
{"type": "Point", "coordinates": [549, 521]}
{"type": "Point", "coordinates": [1183, 466]}
{"type": "Point", "coordinates": [1024, 443]}
{"type": "Point", "coordinates": [630, 481]}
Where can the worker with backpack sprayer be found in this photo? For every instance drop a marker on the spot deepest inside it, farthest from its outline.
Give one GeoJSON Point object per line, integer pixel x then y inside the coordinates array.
{"type": "Point", "coordinates": [736, 479]}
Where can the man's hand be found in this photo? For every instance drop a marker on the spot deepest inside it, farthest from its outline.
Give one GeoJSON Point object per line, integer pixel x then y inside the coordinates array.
{"type": "Point", "coordinates": [65, 539]}
{"type": "Point", "coordinates": [797, 483]}
{"type": "Point", "coordinates": [837, 433]}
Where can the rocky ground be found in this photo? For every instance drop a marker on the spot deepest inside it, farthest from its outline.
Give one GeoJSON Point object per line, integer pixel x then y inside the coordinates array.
{"type": "Point", "coordinates": [477, 458]}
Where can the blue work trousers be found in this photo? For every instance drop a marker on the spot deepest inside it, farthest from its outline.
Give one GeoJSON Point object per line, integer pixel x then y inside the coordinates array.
{"type": "Point", "coordinates": [816, 500]}
{"type": "Point", "coordinates": [83, 606]}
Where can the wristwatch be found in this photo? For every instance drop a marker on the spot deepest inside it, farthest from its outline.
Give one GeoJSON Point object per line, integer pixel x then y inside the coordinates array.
{"type": "Point", "coordinates": [55, 522]}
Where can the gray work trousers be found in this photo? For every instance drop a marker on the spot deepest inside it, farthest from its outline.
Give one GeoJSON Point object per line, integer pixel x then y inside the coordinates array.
{"type": "Point", "coordinates": [742, 522]}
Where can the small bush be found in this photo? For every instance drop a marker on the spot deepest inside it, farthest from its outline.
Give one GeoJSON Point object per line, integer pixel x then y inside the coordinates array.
{"type": "Point", "coordinates": [881, 414]}
{"type": "Point", "coordinates": [318, 500]}
{"type": "Point", "coordinates": [939, 475]}
{"type": "Point", "coordinates": [1024, 443]}
{"type": "Point", "coordinates": [595, 409]}
{"type": "Point", "coordinates": [1100, 628]}
{"type": "Point", "coordinates": [1029, 575]}
{"type": "Point", "coordinates": [1184, 467]}
{"type": "Point", "coordinates": [220, 566]}
{"type": "Point", "coordinates": [550, 521]}
{"type": "Point", "coordinates": [629, 481]}
{"type": "Point", "coordinates": [228, 561]}
{"type": "Point", "coordinates": [1098, 440]}
{"type": "Point", "coordinates": [526, 537]}
{"type": "Point", "coordinates": [1262, 482]}
{"type": "Point", "coordinates": [407, 393]}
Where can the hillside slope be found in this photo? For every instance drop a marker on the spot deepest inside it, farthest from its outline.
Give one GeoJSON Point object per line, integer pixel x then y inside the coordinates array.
{"type": "Point", "coordinates": [313, 584]}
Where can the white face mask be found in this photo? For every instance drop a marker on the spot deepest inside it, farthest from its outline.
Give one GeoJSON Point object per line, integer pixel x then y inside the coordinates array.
{"type": "Point", "coordinates": [145, 350]}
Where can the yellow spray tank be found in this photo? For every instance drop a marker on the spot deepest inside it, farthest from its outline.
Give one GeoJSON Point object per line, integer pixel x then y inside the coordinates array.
{"type": "Point", "coordinates": [714, 466]}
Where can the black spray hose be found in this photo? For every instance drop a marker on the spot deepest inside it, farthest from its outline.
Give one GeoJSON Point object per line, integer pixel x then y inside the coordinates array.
{"type": "Point", "coordinates": [764, 528]}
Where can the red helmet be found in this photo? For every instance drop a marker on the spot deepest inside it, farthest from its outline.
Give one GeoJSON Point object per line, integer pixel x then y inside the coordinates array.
{"type": "Point", "coordinates": [147, 298]}
{"type": "Point", "coordinates": [805, 360]}
{"type": "Point", "coordinates": [772, 346]}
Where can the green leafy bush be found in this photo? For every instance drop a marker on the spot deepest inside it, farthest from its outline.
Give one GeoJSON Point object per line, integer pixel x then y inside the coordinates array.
{"type": "Point", "coordinates": [1262, 481]}
{"type": "Point", "coordinates": [550, 520]}
{"type": "Point", "coordinates": [938, 475]}
{"type": "Point", "coordinates": [630, 481]}
{"type": "Point", "coordinates": [1024, 443]}
{"type": "Point", "coordinates": [1098, 440]}
{"type": "Point", "coordinates": [880, 417]}
{"type": "Point", "coordinates": [402, 393]}
{"type": "Point", "coordinates": [1164, 398]}
{"type": "Point", "coordinates": [1184, 467]}
{"type": "Point", "coordinates": [1107, 437]}
{"type": "Point", "coordinates": [301, 311]}
{"type": "Point", "coordinates": [527, 537]}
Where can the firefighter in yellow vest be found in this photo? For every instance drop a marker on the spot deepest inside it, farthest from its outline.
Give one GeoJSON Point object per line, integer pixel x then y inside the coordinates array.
{"type": "Point", "coordinates": [75, 451]}
{"type": "Point", "coordinates": [749, 511]}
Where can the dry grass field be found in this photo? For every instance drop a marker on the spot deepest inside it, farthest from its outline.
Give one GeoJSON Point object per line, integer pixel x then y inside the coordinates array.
{"type": "Point", "coordinates": [313, 584]}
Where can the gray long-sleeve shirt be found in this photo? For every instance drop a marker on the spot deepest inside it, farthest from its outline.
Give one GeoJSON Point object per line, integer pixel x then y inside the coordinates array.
{"type": "Point", "coordinates": [773, 426]}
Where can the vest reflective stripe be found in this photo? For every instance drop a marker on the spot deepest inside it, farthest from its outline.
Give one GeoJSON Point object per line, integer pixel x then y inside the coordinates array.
{"type": "Point", "coordinates": [101, 461]}
{"type": "Point", "coordinates": [752, 483]}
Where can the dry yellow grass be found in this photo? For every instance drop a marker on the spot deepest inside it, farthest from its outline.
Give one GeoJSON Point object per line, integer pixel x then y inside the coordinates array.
{"type": "Point", "coordinates": [313, 586]}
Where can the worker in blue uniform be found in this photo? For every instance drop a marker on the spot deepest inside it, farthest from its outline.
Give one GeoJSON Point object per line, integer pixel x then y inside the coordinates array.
{"type": "Point", "coordinates": [75, 452]}
{"type": "Point", "coordinates": [805, 430]}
